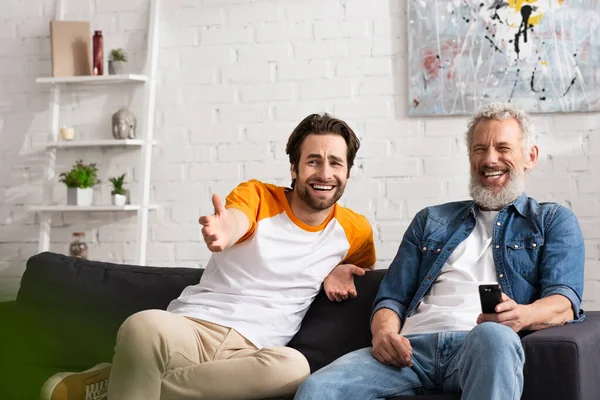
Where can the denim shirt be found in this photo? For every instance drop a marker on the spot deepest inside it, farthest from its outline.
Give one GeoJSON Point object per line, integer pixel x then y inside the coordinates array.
{"type": "Point", "coordinates": [538, 251]}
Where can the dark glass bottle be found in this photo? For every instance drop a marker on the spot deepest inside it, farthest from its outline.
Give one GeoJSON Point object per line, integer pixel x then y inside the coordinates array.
{"type": "Point", "coordinates": [98, 67]}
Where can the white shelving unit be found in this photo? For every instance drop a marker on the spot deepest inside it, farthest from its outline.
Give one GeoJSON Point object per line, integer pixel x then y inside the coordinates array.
{"type": "Point", "coordinates": [99, 207]}
{"type": "Point", "coordinates": [101, 79]}
{"type": "Point", "coordinates": [145, 144]}
{"type": "Point", "coordinates": [63, 144]}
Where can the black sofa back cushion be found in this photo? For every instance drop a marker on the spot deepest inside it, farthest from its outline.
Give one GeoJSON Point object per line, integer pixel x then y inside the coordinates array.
{"type": "Point", "coordinates": [56, 281]}
{"type": "Point", "coordinates": [330, 329]}
{"type": "Point", "coordinates": [70, 310]}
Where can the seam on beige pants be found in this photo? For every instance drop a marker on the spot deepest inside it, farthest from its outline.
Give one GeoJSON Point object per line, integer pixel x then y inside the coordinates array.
{"type": "Point", "coordinates": [180, 353]}
{"type": "Point", "coordinates": [167, 369]}
{"type": "Point", "coordinates": [223, 344]}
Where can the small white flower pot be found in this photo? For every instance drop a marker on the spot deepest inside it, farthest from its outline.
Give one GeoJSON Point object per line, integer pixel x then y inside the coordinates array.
{"type": "Point", "coordinates": [126, 194]}
{"type": "Point", "coordinates": [119, 199]}
{"type": "Point", "coordinates": [80, 197]}
{"type": "Point", "coordinates": [118, 67]}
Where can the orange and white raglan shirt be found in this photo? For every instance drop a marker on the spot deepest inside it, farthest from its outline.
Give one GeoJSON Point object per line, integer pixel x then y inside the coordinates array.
{"type": "Point", "coordinates": [262, 286]}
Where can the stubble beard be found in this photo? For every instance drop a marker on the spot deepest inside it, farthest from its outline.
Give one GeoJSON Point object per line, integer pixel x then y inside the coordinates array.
{"type": "Point", "coordinates": [318, 204]}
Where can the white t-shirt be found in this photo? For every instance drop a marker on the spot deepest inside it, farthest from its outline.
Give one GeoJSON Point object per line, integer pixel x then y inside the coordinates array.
{"type": "Point", "coordinates": [262, 287]}
{"type": "Point", "coordinates": [452, 303]}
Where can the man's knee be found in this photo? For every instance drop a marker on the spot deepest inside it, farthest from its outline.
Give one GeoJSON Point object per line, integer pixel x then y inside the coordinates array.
{"type": "Point", "coordinates": [310, 388]}
{"type": "Point", "coordinates": [142, 324]}
{"type": "Point", "coordinates": [289, 361]}
{"type": "Point", "coordinates": [338, 379]}
{"type": "Point", "coordinates": [324, 384]}
{"type": "Point", "coordinates": [284, 368]}
{"type": "Point", "coordinates": [494, 340]}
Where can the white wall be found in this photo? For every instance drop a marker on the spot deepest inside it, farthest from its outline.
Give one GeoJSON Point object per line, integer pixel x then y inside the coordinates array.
{"type": "Point", "coordinates": [235, 78]}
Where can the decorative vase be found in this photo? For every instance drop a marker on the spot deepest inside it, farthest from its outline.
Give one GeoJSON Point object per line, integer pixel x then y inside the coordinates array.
{"type": "Point", "coordinates": [98, 48]}
{"type": "Point", "coordinates": [119, 199]}
{"type": "Point", "coordinates": [80, 197]}
{"type": "Point", "coordinates": [78, 248]}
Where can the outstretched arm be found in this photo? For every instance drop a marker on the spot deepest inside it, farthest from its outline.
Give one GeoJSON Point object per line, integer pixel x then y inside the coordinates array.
{"type": "Point", "coordinates": [224, 228]}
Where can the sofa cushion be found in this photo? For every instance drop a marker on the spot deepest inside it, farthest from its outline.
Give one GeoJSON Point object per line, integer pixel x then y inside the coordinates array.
{"type": "Point", "coordinates": [331, 329]}
{"type": "Point", "coordinates": [70, 309]}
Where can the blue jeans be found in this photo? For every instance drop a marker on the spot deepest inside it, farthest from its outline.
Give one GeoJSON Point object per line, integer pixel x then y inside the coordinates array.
{"type": "Point", "coordinates": [485, 363]}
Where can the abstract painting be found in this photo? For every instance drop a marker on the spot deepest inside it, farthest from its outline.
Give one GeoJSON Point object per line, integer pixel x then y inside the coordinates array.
{"type": "Point", "coordinates": [541, 55]}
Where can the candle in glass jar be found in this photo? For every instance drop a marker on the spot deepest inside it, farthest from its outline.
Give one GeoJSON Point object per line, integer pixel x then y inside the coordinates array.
{"type": "Point", "coordinates": [67, 133]}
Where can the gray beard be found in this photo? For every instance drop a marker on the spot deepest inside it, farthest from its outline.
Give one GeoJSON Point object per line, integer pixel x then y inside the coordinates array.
{"type": "Point", "coordinates": [486, 198]}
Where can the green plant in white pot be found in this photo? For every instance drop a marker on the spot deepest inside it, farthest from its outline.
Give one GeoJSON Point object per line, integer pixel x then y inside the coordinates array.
{"type": "Point", "coordinates": [80, 181]}
{"type": "Point", "coordinates": [117, 63]}
{"type": "Point", "coordinates": [118, 195]}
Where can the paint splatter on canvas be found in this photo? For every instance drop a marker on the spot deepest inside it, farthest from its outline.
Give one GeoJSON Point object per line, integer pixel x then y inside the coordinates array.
{"type": "Point", "coordinates": [542, 55]}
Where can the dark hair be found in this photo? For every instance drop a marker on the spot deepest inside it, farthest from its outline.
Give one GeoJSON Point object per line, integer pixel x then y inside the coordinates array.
{"type": "Point", "coordinates": [321, 125]}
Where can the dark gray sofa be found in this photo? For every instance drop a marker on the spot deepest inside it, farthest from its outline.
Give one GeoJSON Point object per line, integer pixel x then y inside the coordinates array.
{"type": "Point", "coordinates": [68, 311]}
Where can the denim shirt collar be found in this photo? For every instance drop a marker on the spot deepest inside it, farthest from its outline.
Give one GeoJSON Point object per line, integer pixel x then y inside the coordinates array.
{"type": "Point", "coordinates": [520, 204]}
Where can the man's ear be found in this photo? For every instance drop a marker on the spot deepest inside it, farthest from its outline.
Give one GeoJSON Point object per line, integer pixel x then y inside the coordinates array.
{"type": "Point", "coordinates": [532, 158]}
{"type": "Point", "coordinates": [293, 171]}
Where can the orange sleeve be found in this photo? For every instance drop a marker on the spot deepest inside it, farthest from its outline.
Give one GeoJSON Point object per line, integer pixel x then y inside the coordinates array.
{"type": "Point", "coordinates": [246, 197]}
{"type": "Point", "coordinates": [360, 236]}
{"type": "Point", "coordinates": [256, 200]}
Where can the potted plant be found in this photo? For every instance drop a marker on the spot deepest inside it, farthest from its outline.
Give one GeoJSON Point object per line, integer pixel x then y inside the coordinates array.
{"type": "Point", "coordinates": [79, 181]}
{"type": "Point", "coordinates": [118, 195]}
{"type": "Point", "coordinates": [117, 63]}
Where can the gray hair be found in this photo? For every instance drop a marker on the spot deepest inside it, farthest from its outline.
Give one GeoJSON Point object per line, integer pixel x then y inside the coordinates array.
{"type": "Point", "coordinates": [501, 112]}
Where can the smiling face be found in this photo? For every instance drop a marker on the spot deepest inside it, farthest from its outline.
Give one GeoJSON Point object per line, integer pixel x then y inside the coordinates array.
{"type": "Point", "coordinates": [498, 163]}
{"type": "Point", "coordinates": [321, 174]}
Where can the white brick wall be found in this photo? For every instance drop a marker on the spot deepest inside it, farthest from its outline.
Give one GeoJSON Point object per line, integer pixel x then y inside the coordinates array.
{"type": "Point", "coordinates": [235, 77]}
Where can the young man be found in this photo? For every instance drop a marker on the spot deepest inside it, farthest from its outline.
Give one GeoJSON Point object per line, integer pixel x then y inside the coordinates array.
{"type": "Point", "coordinates": [428, 331]}
{"type": "Point", "coordinates": [272, 249]}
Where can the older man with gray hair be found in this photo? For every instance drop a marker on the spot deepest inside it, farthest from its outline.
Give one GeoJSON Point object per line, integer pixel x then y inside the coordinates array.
{"type": "Point", "coordinates": [429, 331]}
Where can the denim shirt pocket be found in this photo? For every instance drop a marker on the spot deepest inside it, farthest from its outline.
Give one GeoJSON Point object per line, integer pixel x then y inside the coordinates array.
{"type": "Point", "coordinates": [430, 250]}
{"type": "Point", "coordinates": [523, 256]}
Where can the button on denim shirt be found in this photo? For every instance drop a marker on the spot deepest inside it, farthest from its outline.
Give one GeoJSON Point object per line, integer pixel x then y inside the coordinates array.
{"type": "Point", "coordinates": [538, 251]}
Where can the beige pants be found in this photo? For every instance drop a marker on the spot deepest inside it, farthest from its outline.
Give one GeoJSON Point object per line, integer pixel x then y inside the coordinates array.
{"type": "Point", "coordinates": [160, 355]}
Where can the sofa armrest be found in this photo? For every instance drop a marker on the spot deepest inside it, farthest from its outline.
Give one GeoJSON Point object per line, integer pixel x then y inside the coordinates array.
{"type": "Point", "coordinates": [563, 362]}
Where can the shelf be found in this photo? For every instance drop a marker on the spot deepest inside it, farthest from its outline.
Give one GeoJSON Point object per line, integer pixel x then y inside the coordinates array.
{"type": "Point", "coordinates": [95, 79]}
{"type": "Point", "coordinates": [95, 207]}
{"type": "Point", "coordinates": [97, 143]}
{"type": "Point", "coordinates": [52, 143]}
